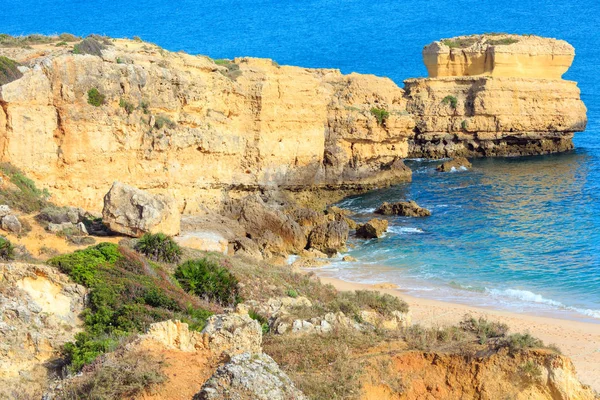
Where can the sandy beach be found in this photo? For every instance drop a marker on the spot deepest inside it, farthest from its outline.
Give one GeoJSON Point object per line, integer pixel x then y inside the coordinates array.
{"type": "Point", "coordinates": [578, 340]}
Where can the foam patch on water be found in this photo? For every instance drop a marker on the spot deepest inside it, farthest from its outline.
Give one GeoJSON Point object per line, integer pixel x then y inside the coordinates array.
{"type": "Point", "coordinates": [404, 230]}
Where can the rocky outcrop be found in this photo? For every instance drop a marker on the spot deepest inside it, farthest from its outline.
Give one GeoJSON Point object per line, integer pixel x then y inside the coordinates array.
{"type": "Point", "coordinates": [373, 229]}
{"type": "Point", "coordinates": [206, 133]}
{"type": "Point", "coordinates": [329, 237]}
{"type": "Point", "coordinates": [250, 376]}
{"type": "Point", "coordinates": [39, 312]}
{"type": "Point", "coordinates": [531, 374]}
{"type": "Point", "coordinates": [456, 164]}
{"type": "Point", "coordinates": [403, 208]}
{"type": "Point", "coordinates": [134, 212]}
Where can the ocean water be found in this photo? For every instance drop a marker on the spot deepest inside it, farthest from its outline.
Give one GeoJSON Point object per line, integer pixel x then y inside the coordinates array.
{"type": "Point", "coordinates": [521, 234]}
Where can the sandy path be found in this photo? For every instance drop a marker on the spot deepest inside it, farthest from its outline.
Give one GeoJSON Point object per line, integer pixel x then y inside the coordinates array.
{"type": "Point", "coordinates": [578, 340]}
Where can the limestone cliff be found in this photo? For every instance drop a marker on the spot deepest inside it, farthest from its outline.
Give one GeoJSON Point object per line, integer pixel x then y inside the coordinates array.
{"type": "Point", "coordinates": [204, 131]}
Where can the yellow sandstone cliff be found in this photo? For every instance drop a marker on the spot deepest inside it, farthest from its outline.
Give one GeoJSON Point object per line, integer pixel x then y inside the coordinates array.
{"type": "Point", "coordinates": [204, 131]}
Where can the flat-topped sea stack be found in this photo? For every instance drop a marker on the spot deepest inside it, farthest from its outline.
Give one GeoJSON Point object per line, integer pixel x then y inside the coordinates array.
{"type": "Point", "coordinates": [499, 55]}
{"type": "Point", "coordinates": [77, 116]}
{"type": "Point", "coordinates": [495, 95]}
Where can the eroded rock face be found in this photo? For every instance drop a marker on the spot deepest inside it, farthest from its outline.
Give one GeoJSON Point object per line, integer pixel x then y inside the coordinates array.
{"type": "Point", "coordinates": [233, 334]}
{"type": "Point", "coordinates": [197, 132]}
{"type": "Point", "coordinates": [329, 237]}
{"type": "Point", "coordinates": [502, 55]}
{"type": "Point", "coordinates": [39, 312]}
{"type": "Point", "coordinates": [250, 376]}
{"type": "Point", "coordinates": [403, 208]}
{"type": "Point", "coordinates": [134, 212]}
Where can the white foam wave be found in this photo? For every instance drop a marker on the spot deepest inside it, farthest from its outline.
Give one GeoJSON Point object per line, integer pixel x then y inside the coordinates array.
{"type": "Point", "coordinates": [530, 297]}
{"type": "Point", "coordinates": [403, 230]}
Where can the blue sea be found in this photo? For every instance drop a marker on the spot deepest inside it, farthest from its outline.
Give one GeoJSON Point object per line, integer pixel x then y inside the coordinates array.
{"type": "Point", "coordinates": [518, 234]}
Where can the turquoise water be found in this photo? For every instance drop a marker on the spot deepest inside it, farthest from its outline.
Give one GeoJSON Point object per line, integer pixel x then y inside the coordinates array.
{"type": "Point", "coordinates": [520, 234]}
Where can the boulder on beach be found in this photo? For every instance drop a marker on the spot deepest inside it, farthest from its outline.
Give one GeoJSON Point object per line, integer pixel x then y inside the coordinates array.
{"type": "Point", "coordinates": [330, 237]}
{"type": "Point", "coordinates": [456, 164]}
{"type": "Point", "coordinates": [403, 208]}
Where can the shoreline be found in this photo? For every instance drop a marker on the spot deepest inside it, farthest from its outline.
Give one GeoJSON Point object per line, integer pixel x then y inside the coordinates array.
{"type": "Point", "coordinates": [578, 340]}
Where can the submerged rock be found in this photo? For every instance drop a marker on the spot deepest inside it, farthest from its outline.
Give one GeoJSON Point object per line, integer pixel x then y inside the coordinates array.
{"type": "Point", "coordinates": [455, 164]}
{"type": "Point", "coordinates": [403, 208]}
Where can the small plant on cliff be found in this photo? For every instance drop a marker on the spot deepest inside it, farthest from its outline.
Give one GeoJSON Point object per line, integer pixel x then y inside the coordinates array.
{"type": "Point", "coordinates": [381, 115]}
{"type": "Point", "coordinates": [126, 105]}
{"type": "Point", "coordinates": [292, 293]}
{"type": "Point", "coordinates": [520, 341]}
{"type": "Point", "coordinates": [463, 124]}
{"type": "Point", "coordinates": [459, 43]}
{"type": "Point", "coordinates": [95, 98]}
{"type": "Point", "coordinates": [162, 121]}
{"type": "Point", "coordinates": [483, 328]}
{"type": "Point", "coordinates": [9, 70]}
{"type": "Point", "coordinates": [453, 101]}
{"type": "Point", "coordinates": [531, 371]}
{"type": "Point", "coordinates": [26, 197]}
{"type": "Point", "coordinates": [233, 70]}
{"type": "Point", "coordinates": [159, 247]}
{"type": "Point", "coordinates": [209, 280]}
{"type": "Point", "coordinates": [126, 295]}
{"type": "Point", "coordinates": [144, 106]}
{"type": "Point", "coordinates": [7, 251]}
{"type": "Point", "coordinates": [261, 319]}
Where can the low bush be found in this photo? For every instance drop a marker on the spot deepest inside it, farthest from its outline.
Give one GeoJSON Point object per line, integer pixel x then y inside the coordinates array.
{"type": "Point", "coordinates": [262, 320]}
{"type": "Point", "coordinates": [530, 371]}
{"type": "Point", "coordinates": [7, 250]}
{"type": "Point", "coordinates": [89, 45]}
{"type": "Point", "coordinates": [521, 341]}
{"type": "Point", "coordinates": [483, 329]}
{"type": "Point", "coordinates": [233, 70]}
{"type": "Point", "coordinates": [459, 42]}
{"type": "Point", "coordinates": [292, 293]}
{"type": "Point", "coordinates": [126, 105]}
{"type": "Point", "coordinates": [453, 101]}
{"type": "Point", "coordinates": [95, 98]}
{"type": "Point", "coordinates": [9, 70]}
{"type": "Point", "coordinates": [505, 41]}
{"type": "Point", "coordinates": [121, 375]}
{"type": "Point", "coordinates": [26, 197]}
{"type": "Point", "coordinates": [159, 247]}
{"type": "Point", "coordinates": [380, 115]}
{"type": "Point", "coordinates": [162, 121]}
{"type": "Point", "coordinates": [351, 303]}
{"type": "Point", "coordinates": [144, 106]}
{"type": "Point", "coordinates": [209, 280]}
{"type": "Point", "coordinates": [25, 41]}
{"type": "Point", "coordinates": [126, 295]}
{"type": "Point", "coordinates": [67, 37]}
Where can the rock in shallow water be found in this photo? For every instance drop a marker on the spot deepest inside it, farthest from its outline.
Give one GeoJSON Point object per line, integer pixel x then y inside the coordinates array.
{"type": "Point", "coordinates": [403, 208]}
{"type": "Point", "coordinates": [455, 164]}
{"type": "Point", "coordinates": [373, 229]}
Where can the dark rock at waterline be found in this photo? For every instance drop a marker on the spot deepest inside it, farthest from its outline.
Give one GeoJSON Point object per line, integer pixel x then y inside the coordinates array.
{"type": "Point", "coordinates": [454, 164]}
{"type": "Point", "coordinates": [373, 229]}
{"type": "Point", "coordinates": [403, 208]}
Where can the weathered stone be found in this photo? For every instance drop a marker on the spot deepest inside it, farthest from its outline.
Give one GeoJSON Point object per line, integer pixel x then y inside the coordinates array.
{"type": "Point", "coordinates": [403, 208]}
{"type": "Point", "coordinates": [373, 229]}
{"type": "Point", "coordinates": [249, 376]}
{"type": "Point", "coordinates": [233, 334]}
{"type": "Point", "coordinates": [329, 237]}
{"type": "Point", "coordinates": [4, 210]}
{"type": "Point", "coordinates": [134, 212]}
{"type": "Point", "coordinates": [348, 259]}
{"type": "Point", "coordinates": [12, 224]}
{"type": "Point", "coordinates": [456, 164]}
{"type": "Point", "coordinates": [57, 228]}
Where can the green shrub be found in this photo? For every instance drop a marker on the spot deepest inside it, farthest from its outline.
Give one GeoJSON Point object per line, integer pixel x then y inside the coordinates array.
{"type": "Point", "coordinates": [145, 106]}
{"type": "Point", "coordinates": [380, 115]}
{"type": "Point", "coordinates": [483, 329]}
{"type": "Point", "coordinates": [162, 121]}
{"type": "Point", "coordinates": [126, 295]}
{"type": "Point", "coordinates": [209, 280]}
{"type": "Point", "coordinates": [67, 37]}
{"type": "Point", "coordinates": [89, 45]}
{"type": "Point", "coordinates": [530, 371]}
{"type": "Point", "coordinates": [7, 250]}
{"type": "Point", "coordinates": [159, 247]}
{"type": "Point", "coordinates": [262, 320]}
{"type": "Point", "coordinates": [24, 41]}
{"type": "Point", "coordinates": [459, 42]}
{"type": "Point", "coordinates": [505, 41]}
{"type": "Point", "coordinates": [127, 106]}
{"type": "Point", "coordinates": [123, 375]}
{"type": "Point", "coordinates": [120, 60]}
{"type": "Point", "coordinates": [60, 44]}
{"type": "Point", "coordinates": [26, 197]}
{"type": "Point", "coordinates": [351, 303]}
{"type": "Point", "coordinates": [453, 101]}
{"type": "Point", "coordinates": [463, 124]}
{"type": "Point", "coordinates": [292, 293]}
{"type": "Point", "coordinates": [520, 341]}
{"type": "Point", "coordinates": [95, 98]}
{"type": "Point", "coordinates": [137, 39]}
{"type": "Point", "coordinates": [233, 70]}
{"type": "Point", "coordinates": [9, 70]}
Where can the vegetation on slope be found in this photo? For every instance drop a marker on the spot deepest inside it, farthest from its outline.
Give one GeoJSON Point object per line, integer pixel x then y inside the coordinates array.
{"type": "Point", "coordinates": [127, 294]}
{"type": "Point", "coordinates": [9, 70]}
{"type": "Point", "coordinates": [24, 196]}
